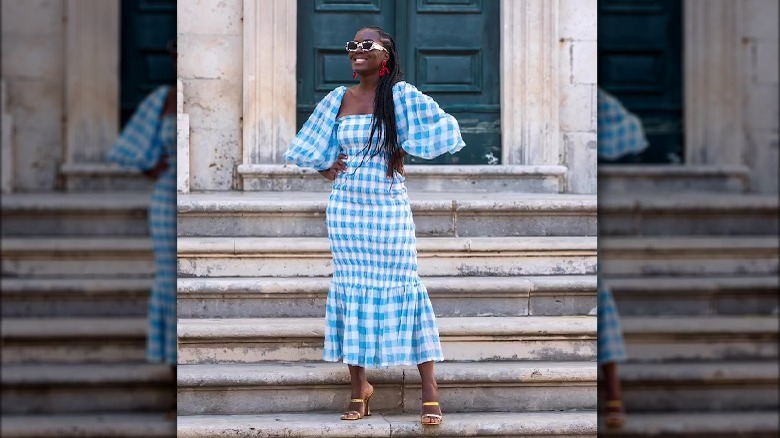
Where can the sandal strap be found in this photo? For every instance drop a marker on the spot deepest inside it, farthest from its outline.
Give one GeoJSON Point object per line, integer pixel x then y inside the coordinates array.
{"type": "Point", "coordinates": [357, 400]}
{"type": "Point", "coordinates": [614, 403]}
{"type": "Point", "coordinates": [432, 415]}
{"type": "Point", "coordinates": [430, 404]}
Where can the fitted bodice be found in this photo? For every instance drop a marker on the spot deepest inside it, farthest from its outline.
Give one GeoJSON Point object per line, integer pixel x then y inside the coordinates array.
{"type": "Point", "coordinates": [366, 171]}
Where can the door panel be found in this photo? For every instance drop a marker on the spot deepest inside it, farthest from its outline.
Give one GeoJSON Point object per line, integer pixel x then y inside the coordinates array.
{"type": "Point", "coordinates": [640, 63]}
{"type": "Point", "coordinates": [449, 49]}
{"type": "Point", "coordinates": [145, 64]}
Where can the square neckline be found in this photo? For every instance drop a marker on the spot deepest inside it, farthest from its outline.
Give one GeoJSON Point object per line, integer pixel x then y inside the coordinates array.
{"type": "Point", "coordinates": [352, 115]}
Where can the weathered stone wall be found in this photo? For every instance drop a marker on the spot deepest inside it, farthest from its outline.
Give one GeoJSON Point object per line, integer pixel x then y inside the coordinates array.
{"type": "Point", "coordinates": [760, 114]}
{"type": "Point", "coordinates": [210, 67]}
{"type": "Point", "coordinates": [33, 67]}
{"type": "Point", "coordinates": [578, 117]}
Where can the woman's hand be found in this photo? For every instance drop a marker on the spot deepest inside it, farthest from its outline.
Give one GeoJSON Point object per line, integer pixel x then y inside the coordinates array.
{"type": "Point", "coordinates": [340, 166]}
{"type": "Point", "coordinates": [155, 172]}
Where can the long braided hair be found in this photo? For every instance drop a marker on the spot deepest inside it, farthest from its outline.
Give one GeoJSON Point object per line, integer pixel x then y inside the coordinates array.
{"type": "Point", "coordinates": [384, 109]}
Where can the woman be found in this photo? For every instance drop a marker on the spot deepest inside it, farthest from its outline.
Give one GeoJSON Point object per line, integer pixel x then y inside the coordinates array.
{"type": "Point", "coordinates": [620, 133]}
{"type": "Point", "coordinates": [148, 144]}
{"type": "Point", "coordinates": [378, 313]}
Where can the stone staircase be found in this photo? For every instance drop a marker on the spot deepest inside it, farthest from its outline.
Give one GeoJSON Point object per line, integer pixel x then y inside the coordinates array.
{"type": "Point", "coordinates": [77, 270]}
{"type": "Point", "coordinates": [693, 266]}
{"type": "Point", "coordinates": [511, 279]}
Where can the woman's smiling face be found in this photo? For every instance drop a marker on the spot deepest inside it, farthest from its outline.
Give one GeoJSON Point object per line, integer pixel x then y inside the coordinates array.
{"type": "Point", "coordinates": [366, 62]}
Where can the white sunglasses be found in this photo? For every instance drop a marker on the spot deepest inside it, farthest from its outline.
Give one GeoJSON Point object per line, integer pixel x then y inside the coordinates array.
{"type": "Point", "coordinates": [366, 45]}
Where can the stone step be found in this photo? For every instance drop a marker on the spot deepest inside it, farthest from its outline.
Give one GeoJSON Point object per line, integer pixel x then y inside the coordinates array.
{"type": "Point", "coordinates": [73, 340]}
{"type": "Point", "coordinates": [436, 214]}
{"type": "Point", "coordinates": [268, 297]}
{"type": "Point", "coordinates": [625, 178]}
{"type": "Point", "coordinates": [436, 178]}
{"type": "Point", "coordinates": [71, 214]}
{"type": "Point", "coordinates": [97, 425]}
{"type": "Point", "coordinates": [688, 256]}
{"type": "Point", "coordinates": [664, 214]}
{"type": "Point", "coordinates": [321, 425]}
{"type": "Point", "coordinates": [699, 424]}
{"type": "Point", "coordinates": [701, 338]}
{"type": "Point", "coordinates": [700, 387]}
{"type": "Point", "coordinates": [253, 340]}
{"type": "Point", "coordinates": [87, 388]}
{"type": "Point", "coordinates": [733, 296]}
{"type": "Point", "coordinates": [71, 297]}
{"type": "Point", "coordinates": [463, 387]}
{"type": "Point", "coordinates": [437, 256]}
{"type": "Point", "coordinates": [79, 257]}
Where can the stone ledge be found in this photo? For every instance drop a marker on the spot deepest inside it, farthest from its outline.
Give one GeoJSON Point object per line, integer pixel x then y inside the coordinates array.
{"type": "Point", "coordinates": [440, 214]}
{"type": "Point", "coordinates": [127, 425]}
{"type": "Point", "coordinates": [703, 424]}
{"type": "Point", "coordinates": [45, 287]}
{"type": "Point", "coordinates": [95, 246]}
{"type": "Point", "coordinates": [693, 373]}
{"type": "Point", "coordinates": [447, 374]}
{"type": "Point", "coordinates": [672, 178]}
{"type": "Point", "coordinates": [534, 179]}
{"type": "Point", "coordinates": [286, 329]}
{"type": "Point", "coordinates": [678, 286]}
{"type": "Point", "coordinates": [452, 246]}
{"type": "Point", "coordinates": [103, 177]}
{"type": "Point", "coordinates": [438, 286]}
{"type": "Point", "coordinates": [73, 329]}
{"type": "Point", "coordinates": [381, 425]}
{"type": "Point", "coordinates": [699, 327]}
{"type": "Point", "coordinates": [83, 374]}
{"type": "Point", "coordinates": [60, 203]}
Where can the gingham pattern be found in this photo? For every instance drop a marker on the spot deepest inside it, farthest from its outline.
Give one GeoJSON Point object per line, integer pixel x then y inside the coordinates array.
{"type": "Point", "coordinates": [139, 145]}
{"type": "Point", "coordinates": [610, 337]}
{"type": "Point", "coordinates": [424, 130]}
{"type": "Point", "coordinates": [145, 139]}
{"type": "Point", "coordinates": [619, 132]}
{"type": "Point", "coordinates": [378, 313]}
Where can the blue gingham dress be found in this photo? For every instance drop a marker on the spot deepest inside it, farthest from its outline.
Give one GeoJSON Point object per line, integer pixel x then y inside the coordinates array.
{"type": "Point", "coordinates": [378, 313]}
{"type": "Point", "coordinates": [619, 133]}
{"type": "Point", "coordinates": [146, 138]}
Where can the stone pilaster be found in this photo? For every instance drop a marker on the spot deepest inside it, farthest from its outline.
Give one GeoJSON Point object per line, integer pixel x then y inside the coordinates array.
{"type": "Point", "coordinates": [714, 132]}
{"type": "Point", "coordinates": [529, 82]}
{"type": "Point", "coordinates": [269, 79]}
{"type": "Point", "coordinates": [182, 142]}
{"type": "Point", "coordinates": [6, 185]}
{"type": "Point", "coordinates": [91, 79]}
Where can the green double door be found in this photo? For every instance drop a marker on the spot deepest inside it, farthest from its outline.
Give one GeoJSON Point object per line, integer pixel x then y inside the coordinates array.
{"type": "Point", "coordinates": [449, 49]}
{"type": "Point", "coordinates": [145, 64]}
{"type": "Point", "coordinates": [640, 63]}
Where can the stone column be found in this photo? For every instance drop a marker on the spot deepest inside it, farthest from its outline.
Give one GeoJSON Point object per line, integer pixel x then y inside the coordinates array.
{"type": "Point", "coordinates": [529, 82]}
{"type": "Point", "coordinates": [269, 79]}
{"type": "Point", "coordinates": [92, 79]}
{"type": "Point", "coordinates": [7, 143]}
{"type": "Point", "coordinates": [713, 82]}
{"type": "Point", "coordinates": [182, 142]}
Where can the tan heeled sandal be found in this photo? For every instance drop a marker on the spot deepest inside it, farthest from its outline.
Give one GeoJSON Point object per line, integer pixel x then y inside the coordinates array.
{"type": "Point", "coordinates": [355, 415]}
{"type": "Point", "coordinates": [616, 418]}
{"type": "Point", "coordinates": [434, 419]}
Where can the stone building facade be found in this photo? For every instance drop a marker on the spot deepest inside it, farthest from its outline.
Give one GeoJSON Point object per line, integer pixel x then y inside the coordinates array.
{"type": "Point", "coordinates": [239, 82]}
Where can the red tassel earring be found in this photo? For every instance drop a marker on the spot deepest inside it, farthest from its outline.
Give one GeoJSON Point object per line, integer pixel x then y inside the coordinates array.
{"type": "Point", "coordinates": [384, 71]}
{"type": "Point", "coordinates": [354, 75]}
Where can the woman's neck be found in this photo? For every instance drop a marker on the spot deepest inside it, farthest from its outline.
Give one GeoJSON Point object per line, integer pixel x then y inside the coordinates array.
{"type": "Point", "coordinates": [368, 84]}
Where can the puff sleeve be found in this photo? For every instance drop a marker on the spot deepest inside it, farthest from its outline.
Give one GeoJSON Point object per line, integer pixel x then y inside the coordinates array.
{"type": "Point", "coordinates": [424, 129]}
{"type": "Point", "coordinates": [314, 145]}
{"type": "Point", "coordinates": [139, 146]}
{"type": "Point", "coordinates": [619, 131]}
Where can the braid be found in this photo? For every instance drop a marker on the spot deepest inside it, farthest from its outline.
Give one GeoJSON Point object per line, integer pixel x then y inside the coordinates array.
{"type": "Point", "coordinates": [384, 108]}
